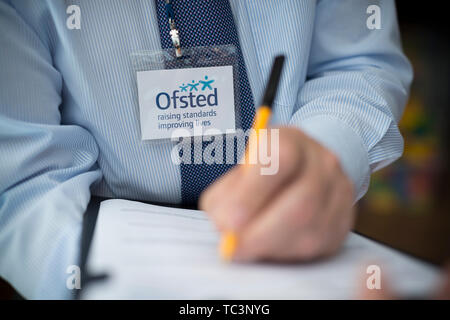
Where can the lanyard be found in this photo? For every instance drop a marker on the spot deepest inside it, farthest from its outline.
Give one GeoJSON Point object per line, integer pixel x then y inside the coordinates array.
{"type": "Point", "coordinates": [174, 34]}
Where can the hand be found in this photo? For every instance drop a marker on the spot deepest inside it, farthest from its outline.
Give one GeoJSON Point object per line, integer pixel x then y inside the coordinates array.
{"type": "Point", "coordinates": [302, 212]}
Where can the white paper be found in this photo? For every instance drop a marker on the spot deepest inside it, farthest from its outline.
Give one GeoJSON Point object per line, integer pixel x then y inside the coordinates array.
{"type": "Point", "coordinates": [153, 252]}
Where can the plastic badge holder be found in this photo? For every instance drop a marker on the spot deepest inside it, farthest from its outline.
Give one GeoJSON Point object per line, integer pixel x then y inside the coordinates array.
{"type": "Point", "coordinates": [195, 57]}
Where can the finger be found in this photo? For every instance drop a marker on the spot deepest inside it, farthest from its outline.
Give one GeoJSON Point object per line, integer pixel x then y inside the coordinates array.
{"type": "Point", "coordinates": [255, 190]}
{"type": "Point", "coordinates": [336, 218]}
{"type": "Point", "coordinates": [216, 194]}
{"type": "Point", "coordinates": [276, 232]}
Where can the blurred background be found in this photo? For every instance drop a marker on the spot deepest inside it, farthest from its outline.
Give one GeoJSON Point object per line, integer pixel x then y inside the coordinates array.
{"type": "Point", "coordinates": [408, 203]}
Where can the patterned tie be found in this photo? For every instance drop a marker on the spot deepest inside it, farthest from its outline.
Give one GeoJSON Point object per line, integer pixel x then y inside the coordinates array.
{"type": "Point", "coordinates": [206, 23]}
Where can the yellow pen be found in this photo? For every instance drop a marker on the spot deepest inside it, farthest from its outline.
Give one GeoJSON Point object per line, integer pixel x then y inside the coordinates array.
{"type": "Point", "coordinates": [229, 239]}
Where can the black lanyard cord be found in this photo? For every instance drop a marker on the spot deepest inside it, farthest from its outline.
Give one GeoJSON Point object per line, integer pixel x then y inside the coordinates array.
{"type": "Point", "coordinates": [174, 33]}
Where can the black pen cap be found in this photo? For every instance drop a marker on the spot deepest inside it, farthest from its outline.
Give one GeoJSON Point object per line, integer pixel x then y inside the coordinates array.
{"type": "Point", "coordinates": [274, 80]}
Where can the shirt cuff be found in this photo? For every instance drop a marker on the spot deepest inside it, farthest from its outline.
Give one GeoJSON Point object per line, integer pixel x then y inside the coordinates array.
{"type": "Point", "coordinates": [345, 143]}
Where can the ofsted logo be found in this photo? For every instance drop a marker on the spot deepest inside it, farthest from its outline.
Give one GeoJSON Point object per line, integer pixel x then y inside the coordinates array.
{"type": "Point", "coordinates": [192, 98]}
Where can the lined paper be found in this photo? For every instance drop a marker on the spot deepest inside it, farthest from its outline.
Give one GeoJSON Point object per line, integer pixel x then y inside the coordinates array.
{"type": "Point", "coordinates": [154, 252]}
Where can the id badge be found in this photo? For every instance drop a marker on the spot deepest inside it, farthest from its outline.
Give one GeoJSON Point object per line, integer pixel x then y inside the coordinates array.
{"type": "Point", "coordinates": [197, 94]}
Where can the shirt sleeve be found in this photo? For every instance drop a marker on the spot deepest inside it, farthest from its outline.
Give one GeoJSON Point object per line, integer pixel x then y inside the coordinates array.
{"type": "Point", "coordinates": [357, 85]}
{"type": "Point", "coordinates": [46, 168]}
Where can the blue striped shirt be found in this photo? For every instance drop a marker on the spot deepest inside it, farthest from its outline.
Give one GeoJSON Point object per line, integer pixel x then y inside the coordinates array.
{"type": "Point", "coordinates": [69, 115]}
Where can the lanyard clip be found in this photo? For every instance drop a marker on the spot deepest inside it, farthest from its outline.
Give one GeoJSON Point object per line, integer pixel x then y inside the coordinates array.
{"type": "Point", "coordinates": [174, 35]}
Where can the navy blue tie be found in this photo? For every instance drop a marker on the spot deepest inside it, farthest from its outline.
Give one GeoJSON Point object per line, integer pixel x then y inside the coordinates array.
{"type": "Point", "coordinates": [206, 23]}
